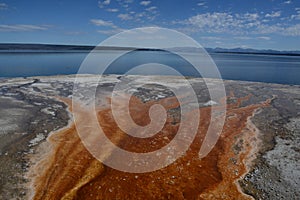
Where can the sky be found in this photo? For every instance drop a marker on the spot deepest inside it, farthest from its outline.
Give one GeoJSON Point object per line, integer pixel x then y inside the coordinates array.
{"type": "Point", "coordinates": [258, 24]}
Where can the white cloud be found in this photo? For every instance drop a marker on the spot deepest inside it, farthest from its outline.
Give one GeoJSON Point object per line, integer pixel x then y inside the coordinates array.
{"type": "Point", "coordinates": [264, 38]}
{"type": "Point", "coordinates": [211, 20]}
{"type": "Point", "coordinates": [238, 25]}
{"type": "Point", "coordinates": [249, 16]}
{"type": "Point", "coordinates": [112, 10]}
{"type": "Point", "coordinates": [21, 27]}
{"type": "Point", "coordinates": [106, 2]}
{"type": "Point", "coordinates": [201, 4]}
{"type": "Point", "coordinates": [100, 22]}
{"type": "Point", "coordinates": [147, 14]}
{"type": "Point", "coordinates": [152, 8]}
{"type": "Point", "coordinates": [210, 38]}
{"type": "Point", "coordinates": [268, 29]}
{"type": "Point", "coordinates": [252, 38]}
{"type": "Point", "coordinates": [297, 15]}
{"type": "Point", "coordinates": [125, 17]}
{"type": "Point", "coordinates": [110, 32]}
{"type": "Point", "coordinates": [3, 6]}
{"type": "Point", "coordinates": [125, 3]}
{"type": "Point", "coordinates": [151, 13]}
{"type": "Point", "coordinates": [243, 38]}
{"type": "Point", "coordinates": [75, 33]}
{"type": "Point", "coordinates": [287, 2]}
{"type": "Point", "coordinates": [145, 3]}
{"type": "Point", "coordinates": [103, 3]}
{"type": "Point", "coordinates": [274, 14]}
{"type": "Point", "coordinates": [140, 15]}
{"type": "Point", "coordinates": [293, 30]}
{"type": "Point", "coordinates": [222, 22]}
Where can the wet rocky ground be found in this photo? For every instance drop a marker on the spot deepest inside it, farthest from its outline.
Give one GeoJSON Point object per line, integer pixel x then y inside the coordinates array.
{"type": "Point", "coordinates": [30, 110]}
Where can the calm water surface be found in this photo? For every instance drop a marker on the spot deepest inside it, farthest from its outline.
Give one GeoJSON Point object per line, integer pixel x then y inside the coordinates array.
{"type": "Point", "coordinates": [261, 68]}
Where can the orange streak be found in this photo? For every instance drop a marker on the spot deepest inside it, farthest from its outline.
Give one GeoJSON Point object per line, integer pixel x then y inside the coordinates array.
{"type": "Point", "coordinates": [70, 172]}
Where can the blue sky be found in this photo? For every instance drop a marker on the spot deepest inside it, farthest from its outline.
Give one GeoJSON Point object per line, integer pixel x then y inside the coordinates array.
{"type": "Point", "coordinates": [260, 24]}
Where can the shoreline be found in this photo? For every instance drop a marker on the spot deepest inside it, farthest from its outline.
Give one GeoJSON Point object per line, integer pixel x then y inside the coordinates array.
{"type": "Point", "coordinates": [43, 150]}
{"type": "Point", "coordinates": [249, 161]}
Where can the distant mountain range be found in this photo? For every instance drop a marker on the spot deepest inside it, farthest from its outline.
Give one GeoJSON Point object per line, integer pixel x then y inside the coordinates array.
{"type": "Point", "coordinates": [252, 51]}
{"type": "Point", "coordinates": [53, 47]}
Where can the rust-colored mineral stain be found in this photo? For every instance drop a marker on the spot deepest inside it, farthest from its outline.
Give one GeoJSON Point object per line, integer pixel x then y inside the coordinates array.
{"type": "Point", "coordinates": [71, 172]}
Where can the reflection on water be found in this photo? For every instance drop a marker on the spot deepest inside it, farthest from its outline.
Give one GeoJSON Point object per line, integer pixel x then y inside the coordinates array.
{"type": "Point", "coordinates": [263, 68]}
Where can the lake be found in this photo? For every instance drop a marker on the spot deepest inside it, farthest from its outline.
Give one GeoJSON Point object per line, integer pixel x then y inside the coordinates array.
{"type": "Point", "coordinates": [247, 67]}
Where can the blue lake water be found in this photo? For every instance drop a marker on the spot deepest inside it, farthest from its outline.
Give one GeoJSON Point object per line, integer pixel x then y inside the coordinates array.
{"type": "Point", "coordinates": [247, 67]}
